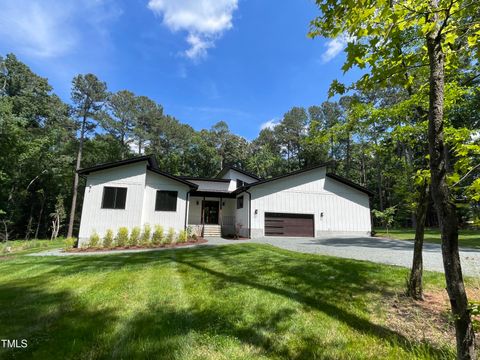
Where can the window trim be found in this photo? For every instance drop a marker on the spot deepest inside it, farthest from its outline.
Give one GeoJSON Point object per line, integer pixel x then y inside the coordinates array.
{"type": "Point", "coordinates": [240, 199]}
{"type": "Point", "coordinates": [166, 191]}
{"type": "Point", "coordinates": [102, 206]}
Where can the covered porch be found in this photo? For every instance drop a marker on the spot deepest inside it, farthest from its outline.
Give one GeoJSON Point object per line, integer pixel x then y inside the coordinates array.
{"type": "Point", "coordinates": [212, 214]}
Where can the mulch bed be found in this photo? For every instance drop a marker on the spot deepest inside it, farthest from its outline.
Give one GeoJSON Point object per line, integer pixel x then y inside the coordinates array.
{"type": "Point", "coordinates": [139, 247]}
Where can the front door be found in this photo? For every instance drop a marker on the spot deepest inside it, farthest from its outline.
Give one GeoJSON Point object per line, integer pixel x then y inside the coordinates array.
{"type": "Point", "coordinates": [210, 212]}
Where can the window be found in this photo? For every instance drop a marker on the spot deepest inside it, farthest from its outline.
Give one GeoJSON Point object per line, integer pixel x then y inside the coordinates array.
{"type": "Point", "coordinates": [114, 197]}
{"type": "Point", "coordinates": [166, 201]}
{"type": "Point", "coordinates": [240, 183]}
{"type": "Point", "coordinates": [240, 202]}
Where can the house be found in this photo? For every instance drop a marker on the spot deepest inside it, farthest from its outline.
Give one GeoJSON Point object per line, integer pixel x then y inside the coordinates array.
{"type": "Point", "coordinates": [309, 202]}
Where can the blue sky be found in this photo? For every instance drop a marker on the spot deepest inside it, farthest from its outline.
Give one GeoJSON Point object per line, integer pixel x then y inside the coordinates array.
{"type": "Point", "coordinates": [243, 61]}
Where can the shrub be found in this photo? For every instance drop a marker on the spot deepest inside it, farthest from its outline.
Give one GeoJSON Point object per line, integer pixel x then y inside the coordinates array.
{"type": "Point", "coordinates": [147, 233]}
{"type": "Point", "coordinates": [108, 239]}
{"type": "Point", "coordinates": [122, 236]}
{"type": "Point", "coordinates": [135, 236]}
{"type": "Point", "coordinates": [170, 236]}
{"type": "Point", "coordinates": [157, 237]}
{"type": "Point", "coordinates": [69, 243]}
{"type": "Point", "coordinates": [182, 236]}
{"type": "Point", "coordinates": [94, 240]}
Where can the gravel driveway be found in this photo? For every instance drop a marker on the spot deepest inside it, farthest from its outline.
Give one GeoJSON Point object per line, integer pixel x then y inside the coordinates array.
{"type": "Point", "coordinates": [379, 250]}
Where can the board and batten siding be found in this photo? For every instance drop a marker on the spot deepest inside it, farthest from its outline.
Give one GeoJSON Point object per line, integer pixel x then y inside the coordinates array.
{"type": "Point", "coordinates": [94, 218]}
{"type": "Point", "coordinates": [167, 219]}
{"type": "Point", "coordinates": [345, 210]}
{"type": "Point", "coordinates": [241, 216]}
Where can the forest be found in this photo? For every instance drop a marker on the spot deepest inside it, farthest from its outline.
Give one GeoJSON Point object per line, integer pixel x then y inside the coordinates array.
{"type": "Point", "coordinates": [373, 137]}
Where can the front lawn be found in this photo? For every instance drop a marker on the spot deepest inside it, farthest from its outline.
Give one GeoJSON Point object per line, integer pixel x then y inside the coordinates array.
{"type": "Point", "coordinates": [244, 301]}
{"type": "Point", "coordinates": [467, 238]}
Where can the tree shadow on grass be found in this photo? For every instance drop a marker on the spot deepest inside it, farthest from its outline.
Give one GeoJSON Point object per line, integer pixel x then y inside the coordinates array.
{"type": "Point", "coordinates": [55, 325]}
{"type": "Point", "coordinates": [322, 284]}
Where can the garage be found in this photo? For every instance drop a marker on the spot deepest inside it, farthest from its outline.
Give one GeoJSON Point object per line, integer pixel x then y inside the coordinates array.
{"type": "Point", "coordinates": [280, 224]}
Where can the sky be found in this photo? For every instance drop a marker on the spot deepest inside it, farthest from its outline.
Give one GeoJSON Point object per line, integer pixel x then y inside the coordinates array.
{"type": "Point", "coordinates": [246, 62]}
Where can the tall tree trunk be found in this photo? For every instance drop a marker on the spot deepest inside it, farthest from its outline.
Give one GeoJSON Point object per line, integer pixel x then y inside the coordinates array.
{"type": "Point", "coordinates": [76, 179]}
{"type": "Point", "coordinates": [40, 217]}
{"type": "Point", "coordinates": [415, 281]}
{"type": "Point", "coordinates": [444, 205]}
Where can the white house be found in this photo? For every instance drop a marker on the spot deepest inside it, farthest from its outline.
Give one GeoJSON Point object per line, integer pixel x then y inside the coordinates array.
{"type": "Point", "coordinates": [309, 202]}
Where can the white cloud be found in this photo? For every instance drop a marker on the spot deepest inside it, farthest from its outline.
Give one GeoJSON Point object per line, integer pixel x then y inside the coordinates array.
{"type": "Point", "coordinates": [335, 47]}
{"type": "Point", "coordinates": [48, 28]}
{"type": "Point", "coordinates": [270, 124]}
{"type": "Point", "coordinates": [203, 20]}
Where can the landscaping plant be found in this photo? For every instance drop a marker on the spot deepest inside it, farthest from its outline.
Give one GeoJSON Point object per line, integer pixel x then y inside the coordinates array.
{"type": "Point", "coordinates": [147, 233]}
{"type": "Point", "coordinates": [122, 236]}
{"type": "Point", "coordinates": [134, 236]}
{"type": "Point", "coordinates": [69, 243]}
{"type": "Point", "coordinates": [94, 240]}
{"type": "Point", "coordinates": [157, 237]}
{"type": "Point", "coordinates": [170, 236]}
{"type": "Point", "coordinates": [182, 236]}
{"type": "Point", "coordinates": [108, 239]}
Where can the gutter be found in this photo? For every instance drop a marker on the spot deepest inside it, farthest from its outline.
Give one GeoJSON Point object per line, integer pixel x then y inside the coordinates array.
{"type": "Point", "coordinates": [249, 214]}
{"type": "Point", "coordinates": [186, 209]}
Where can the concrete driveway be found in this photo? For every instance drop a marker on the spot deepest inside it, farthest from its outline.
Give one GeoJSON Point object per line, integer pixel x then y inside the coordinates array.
{"type": "Point", "coordinates": [379, 250]}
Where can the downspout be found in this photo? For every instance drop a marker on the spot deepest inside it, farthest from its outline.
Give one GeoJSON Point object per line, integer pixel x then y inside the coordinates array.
{"type": "Point", "coordinates": [186, 209]}
{"type": "Point", "coordinates": [249, 214]}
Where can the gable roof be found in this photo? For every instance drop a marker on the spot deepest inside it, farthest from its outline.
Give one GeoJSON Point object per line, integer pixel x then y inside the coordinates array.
{"type": "Point", "coordinates": [350, 183]}
{"type": "Point", "coordinates": [151, 165]}
{"type": "Point", "coordinates": [330, 175]}
{"type": "Point", "coordinates": [248, 186]}
{"type": "Point", "coordinates": [230, 167]}
{"type": "Point", "coordinates": [150, 158]}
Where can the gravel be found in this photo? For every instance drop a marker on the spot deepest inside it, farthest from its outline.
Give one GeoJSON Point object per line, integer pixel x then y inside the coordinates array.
{"type": "Point", "coordinates": [379, 250]}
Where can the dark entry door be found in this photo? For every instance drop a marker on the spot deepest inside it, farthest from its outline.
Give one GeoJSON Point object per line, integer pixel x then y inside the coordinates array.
{"type": "Point", "coordinates": [210, 212]}
{"type": "Point", "coordinates": [277, 224]}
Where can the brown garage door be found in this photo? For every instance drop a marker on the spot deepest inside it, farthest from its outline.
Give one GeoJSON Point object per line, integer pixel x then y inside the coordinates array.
{"type": "Point", "coordinates": [278, 224]}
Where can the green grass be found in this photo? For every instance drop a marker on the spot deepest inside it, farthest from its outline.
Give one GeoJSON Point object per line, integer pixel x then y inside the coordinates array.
{"type": "Point", "coordinates": [28, 246]}
{"type": "Point", "coordinates": [245, 301]}
{"type": "Point", "coordinates": [467, 238]}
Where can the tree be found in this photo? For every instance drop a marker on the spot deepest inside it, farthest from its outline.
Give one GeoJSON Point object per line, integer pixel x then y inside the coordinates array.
{"type": "Point", "coordinates": [396, 40]}
{"type": "Point", "coordinates": [88, 96]}
{"type": "Point", "coordinates": [120, 120]}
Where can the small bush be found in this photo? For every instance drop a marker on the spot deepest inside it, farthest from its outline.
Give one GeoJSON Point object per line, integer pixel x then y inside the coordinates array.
{"type": "Point", "coordinates": [134, 236]}
{"type": "Point", "coordinates": [157, 237]}
{"type": "Point", "coordinates": [94, 240]}
{"type": "Point", "coordinates": [182, 236]}
{"type": "Point", "coordinates": [122, 236]}
{"type": "Point", "coordinates": [108, 239]}
{"type": "Point", "coordinates": [147, 233]}
{"type": "Point", "coordinates": [69, 243]}
{"type": "Point", "coordinates": [170, 236]}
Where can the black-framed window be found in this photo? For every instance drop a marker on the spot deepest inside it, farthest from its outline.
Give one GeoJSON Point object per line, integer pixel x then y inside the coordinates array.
{"type": "Point", "coordinates": [166, 200]}
{"type": "Point", "coordinates": [240, 202]}
{"type": "Point", "coordinates": [240, 183]}
{"type": "Point", "coordinates": [114, 197]}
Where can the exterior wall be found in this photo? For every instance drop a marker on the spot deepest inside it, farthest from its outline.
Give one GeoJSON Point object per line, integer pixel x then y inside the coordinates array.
{"type": "Point", "coordinates": [94, 218]}
{"type": "Point", "coordinates": [344, 209]}
{"type": "Point", "coordinates": [234, 175]}
{"type": "Point", "coordinates": [228, 217]}
{"type": "Point", "coordinates": [241, 216]}
{"type": "Point", "coordinates": [167, 219]}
